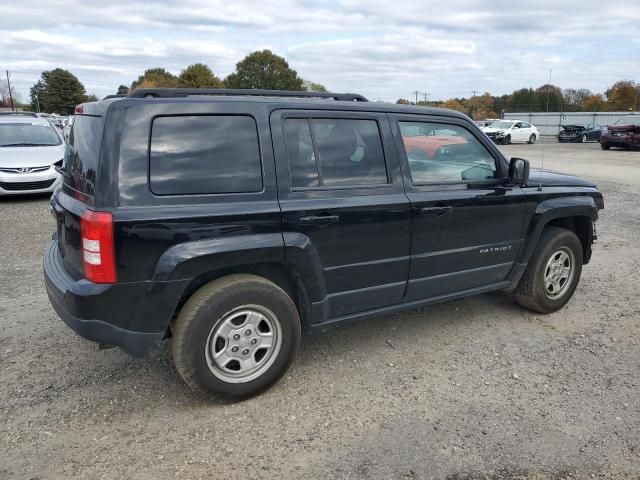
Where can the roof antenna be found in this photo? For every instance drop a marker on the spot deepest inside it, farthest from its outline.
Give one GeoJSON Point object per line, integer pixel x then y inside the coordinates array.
{"type": "Point", "coordinates": [548, 95]}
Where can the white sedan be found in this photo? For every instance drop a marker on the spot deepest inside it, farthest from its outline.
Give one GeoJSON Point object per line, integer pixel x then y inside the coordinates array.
{"type": "Point", "coordinates": [510, 131]}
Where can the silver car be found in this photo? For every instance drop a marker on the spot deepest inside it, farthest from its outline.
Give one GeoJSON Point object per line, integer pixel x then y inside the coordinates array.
{"type": "Point", "coordinates": [30, 149]}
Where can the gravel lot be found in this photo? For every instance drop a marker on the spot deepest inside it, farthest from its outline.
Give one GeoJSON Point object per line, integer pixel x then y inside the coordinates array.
{"type": "Point", "coordinates": [477, 388]}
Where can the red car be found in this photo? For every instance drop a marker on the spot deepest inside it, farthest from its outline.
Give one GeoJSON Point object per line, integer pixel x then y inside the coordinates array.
{"type": "Point", "coordinates": [624, 134]}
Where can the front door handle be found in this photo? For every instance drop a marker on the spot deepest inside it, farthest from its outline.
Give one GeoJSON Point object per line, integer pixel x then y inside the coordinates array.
{"type": "Point", "coordinates": [435, 211]}
{"type": "Point", "coordinates": [320, 220]}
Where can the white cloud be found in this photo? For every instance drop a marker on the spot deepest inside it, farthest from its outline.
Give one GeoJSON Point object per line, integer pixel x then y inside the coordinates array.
{"type": "Point", "coordinates": [382, 49]}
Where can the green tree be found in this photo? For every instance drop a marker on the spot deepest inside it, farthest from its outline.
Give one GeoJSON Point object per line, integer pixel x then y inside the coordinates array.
{"type": "Point", "coordinates": [57, 91]}
{"type": "Point", "coordinates": [523, 100]}
{"type": "Point", "coordinates": [313, 86]}
{"type": "Point", "coordinates": [91, 98]}
{"type": "Point", "coordinates": [550, 98]}
{"type": "Point", "coordinates": [623, 95]}
{"type": "Point", "coordinates": [198, 75]}
{"type": "Point", "coordinates": [155, 78]}
{"type": "Point", "coordinates": [122, 90]}
{"type": "Point", "coordinates": [265, 70]}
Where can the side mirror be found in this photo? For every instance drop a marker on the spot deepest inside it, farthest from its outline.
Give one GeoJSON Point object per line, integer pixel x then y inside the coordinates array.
{"type": "Point", "coordinates": [519, 171]}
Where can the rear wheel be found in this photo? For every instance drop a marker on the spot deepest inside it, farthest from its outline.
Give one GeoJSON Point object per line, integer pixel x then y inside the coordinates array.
{"type": "Point", "coordinates": [584, 139]}
{"type": "Point", "coordinates": [605, 146]}
{"type": "Point", "coordinates": [532, 139]}
{"type": "Point", "coordinates": [235, 337]}
{"type": "Point", "coordinates": [553, 271]}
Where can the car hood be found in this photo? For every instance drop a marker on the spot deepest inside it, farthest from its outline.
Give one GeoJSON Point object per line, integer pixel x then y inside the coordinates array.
{"type": "Point", "coordinates": [492, 130]}
{"type": "Point", "coordinates": [16, 157]}
{"type": "Point", "coordinates": [548, 178]}
{"type": "Point", "coordinates": [623, 128]}
{"type": "Point", "coordinates": [573, 128]}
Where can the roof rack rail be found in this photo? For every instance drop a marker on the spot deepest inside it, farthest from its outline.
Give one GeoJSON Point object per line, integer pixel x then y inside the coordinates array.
{"type": "Point", "coordinates": [24, 114]}
{"type": "Point", "coordinates": [115, 95]}
{"type": "Point", "coordinates": [185, 92]}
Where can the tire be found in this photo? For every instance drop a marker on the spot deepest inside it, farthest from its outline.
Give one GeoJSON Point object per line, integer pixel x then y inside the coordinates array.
{"type": "Point", "coordinates": [218, 318]}
{"type": "Point", "coordinates": [507, 140]}
{"type": "Point", "coordinates": [532, 291]}
{"type": "Point", "coordinates": [584, 139]}
{"type": "Point", "coordinates": [532, 139]}
{"type": "Point", "coordinates": [605, 146]}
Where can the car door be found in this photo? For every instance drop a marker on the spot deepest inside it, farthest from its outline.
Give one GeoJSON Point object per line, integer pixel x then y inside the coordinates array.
{"type": "Point", "coordinates": [467, 219]}
{"type": "Point", "coordinates": [341, 196]}
{"type": "Point", "coordinates": [519, 132]}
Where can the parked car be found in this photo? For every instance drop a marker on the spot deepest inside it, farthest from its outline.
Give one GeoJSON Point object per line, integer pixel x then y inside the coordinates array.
{"type": "Point", "coordinates": [228, 222]}
{"type": "Point", "coordinates": [624, 134]}
{"type": "Point", "coordinates": [510, 131]}
{"type": "Point", "coordinates": [580, 133]}
{"type": "Point", "coordinates": [30, 150]}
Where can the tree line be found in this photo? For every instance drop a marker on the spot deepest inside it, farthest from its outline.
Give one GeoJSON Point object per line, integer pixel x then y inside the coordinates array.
{"type": "Point", "coordinates": [623, 95]}
{"type": "Point", "coordinates": [59, 91]}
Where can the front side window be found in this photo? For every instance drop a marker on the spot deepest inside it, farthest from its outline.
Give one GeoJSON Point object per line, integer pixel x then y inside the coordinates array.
{"type": "Point", "coordinates": [334, 152]}
{"type": "Point", "coordinates": [200, 154]}
{"type": "Point", "coordinates": [442, 153]}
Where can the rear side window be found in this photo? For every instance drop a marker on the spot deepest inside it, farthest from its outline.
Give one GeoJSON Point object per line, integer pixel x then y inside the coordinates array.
{"type": "Point", "coordinates": [83, 153]}
{"type": "Point", "coordinates": [199, 154]}
{"type": "Point", "coordinates": [334, 152]}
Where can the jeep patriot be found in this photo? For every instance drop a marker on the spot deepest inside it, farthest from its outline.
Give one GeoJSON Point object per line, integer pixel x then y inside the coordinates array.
{"type": "Point", "coordinates": [230, 221]}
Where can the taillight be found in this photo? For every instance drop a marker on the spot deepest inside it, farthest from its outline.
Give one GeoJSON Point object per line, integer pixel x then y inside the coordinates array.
{"type": "Point", "coordinates": [79, 109]}
{"type": "Point", "coordinates": [98, 257]}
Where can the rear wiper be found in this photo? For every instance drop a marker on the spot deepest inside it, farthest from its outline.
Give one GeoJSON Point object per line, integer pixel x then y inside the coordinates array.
{"type": "Point", "coordinates": [26, 145]}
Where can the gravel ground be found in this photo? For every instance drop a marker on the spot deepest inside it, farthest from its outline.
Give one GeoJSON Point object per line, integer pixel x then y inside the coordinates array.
{"type": "Point", "coordinates": [474, 389]}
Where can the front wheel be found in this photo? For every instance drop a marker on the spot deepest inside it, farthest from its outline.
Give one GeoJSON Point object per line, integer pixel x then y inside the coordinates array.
{"type": "Point", "coordinates": [605, 146]}
{"type": "Point", "coordinates": [235, 337]}
{"type": "Point", "coordinates": [532, 139]}
{"type": "Point", "coordinates": [507, 140]}
{"type": "Point", "coordinates": [584, 139]}
{"type": "Point", "coordinates": [553, 271]}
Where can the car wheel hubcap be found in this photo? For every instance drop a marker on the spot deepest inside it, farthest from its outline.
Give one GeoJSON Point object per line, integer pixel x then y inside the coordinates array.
{"type": "Point", "coordinates": [243, 344]}
{"type": "Point", "coordinates": [558, 273]}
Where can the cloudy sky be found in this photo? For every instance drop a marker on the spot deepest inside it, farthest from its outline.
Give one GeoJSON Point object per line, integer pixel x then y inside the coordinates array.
{"type": "Point", "coordinates": [381, 48]}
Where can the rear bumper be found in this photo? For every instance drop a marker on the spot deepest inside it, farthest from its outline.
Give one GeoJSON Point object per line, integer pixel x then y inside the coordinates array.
{"type": "Point", "coordinates": [134, 316]}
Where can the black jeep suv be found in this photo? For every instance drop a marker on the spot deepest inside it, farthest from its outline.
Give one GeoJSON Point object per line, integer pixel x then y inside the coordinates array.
{"type": "Point", "coordinates": [228, 221]}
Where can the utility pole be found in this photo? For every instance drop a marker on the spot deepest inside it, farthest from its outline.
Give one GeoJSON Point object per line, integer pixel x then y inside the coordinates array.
{"type": "Point", "coordinates": [426, 95]}
{"type": "Point", "coordinates": [416, 94]}
{"type": "Point", "coordinates": [474, 92]}
{"type": "Point", "coordinates": [10, 93]}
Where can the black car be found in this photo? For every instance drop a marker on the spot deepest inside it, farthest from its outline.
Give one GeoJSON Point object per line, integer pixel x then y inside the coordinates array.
{"type": "Point", "coordinates": [580, 133]}
{"type": "Point", "coordinates": [227, 222]}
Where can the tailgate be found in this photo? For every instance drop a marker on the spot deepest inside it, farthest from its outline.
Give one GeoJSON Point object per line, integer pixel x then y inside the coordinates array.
{"type": "Point", "coordinates": [67, 212]}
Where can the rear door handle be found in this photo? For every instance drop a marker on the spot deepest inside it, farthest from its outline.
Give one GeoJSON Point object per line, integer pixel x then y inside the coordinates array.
{"type": "Point", "coordinates": [320, 220]}
{"type": "Point", "coordinates": [435, 211]}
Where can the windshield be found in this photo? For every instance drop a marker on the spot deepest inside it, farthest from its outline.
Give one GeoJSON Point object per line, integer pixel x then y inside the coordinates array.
{"type": "Point", "coordinates": [28, 135]}
{"type": "Point", "coordinates": [635, 120]}
{"type": "Point", "coordinates": [501, 124]}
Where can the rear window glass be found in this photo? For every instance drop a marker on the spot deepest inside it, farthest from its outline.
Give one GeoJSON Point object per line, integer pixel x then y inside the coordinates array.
{"type": "Point", "coordinates": [341, 152]}
{"type": "Point", "coordinates": [200, 154]}
{"type": "Point", "coordinates": [82, 154]}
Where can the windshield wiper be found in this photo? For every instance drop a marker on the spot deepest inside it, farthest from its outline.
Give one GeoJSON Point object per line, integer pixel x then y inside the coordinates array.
{"type": "Point", "coordinates": [27, 145]}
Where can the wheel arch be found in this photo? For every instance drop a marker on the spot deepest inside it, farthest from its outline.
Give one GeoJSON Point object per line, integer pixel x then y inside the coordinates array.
{"type": "Point", "coordinates": [574, 213]}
